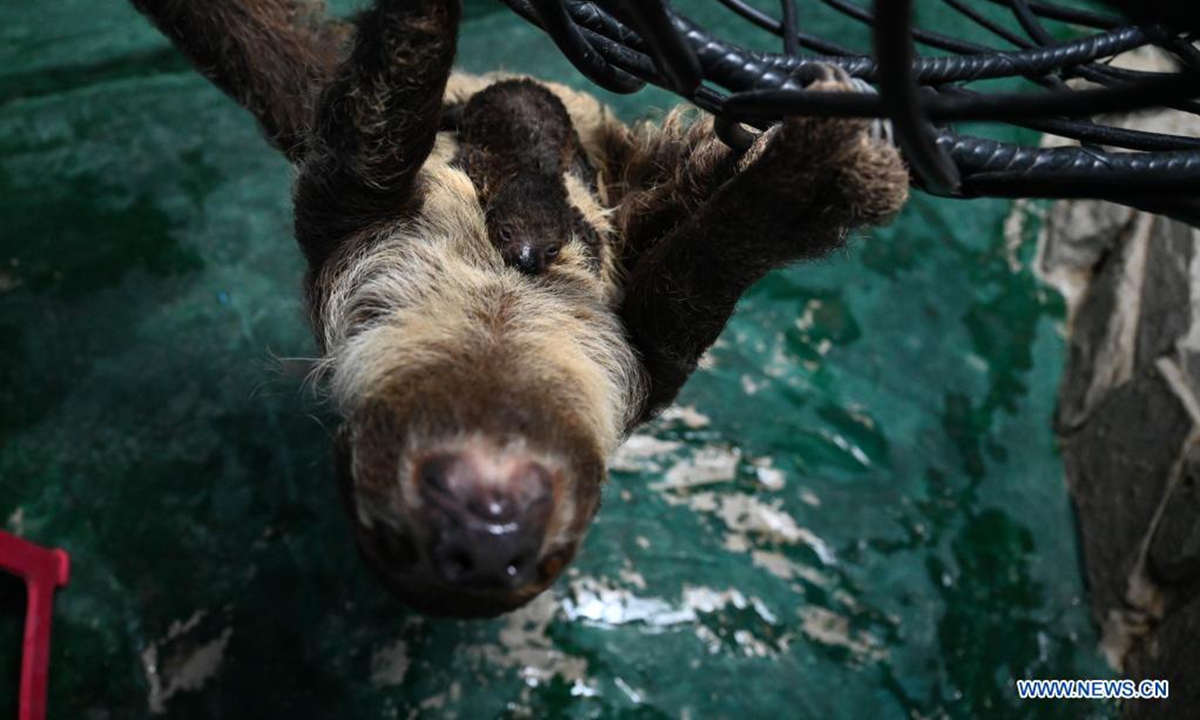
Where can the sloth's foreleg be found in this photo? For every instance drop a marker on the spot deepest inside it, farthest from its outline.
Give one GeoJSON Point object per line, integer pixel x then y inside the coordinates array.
{"type": "Point", "coordinates": [797, 193]}
{"type": "Point", "coordinates": [376, 122]}
{"type": "Point", "coordinates": [271, 56]}
{"type": "Point", "coordinates": [666, 176]}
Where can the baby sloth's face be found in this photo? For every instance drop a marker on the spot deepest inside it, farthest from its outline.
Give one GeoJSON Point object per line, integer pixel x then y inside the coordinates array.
{"type": "Point", "coordinates": [519, 148]}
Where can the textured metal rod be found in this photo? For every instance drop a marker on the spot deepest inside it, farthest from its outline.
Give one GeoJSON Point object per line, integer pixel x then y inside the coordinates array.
{"type": "Point", "coordinates": [766, 86]}
{"type": "Point", "coordinates": [671, 54]}
{"type": "Point", "coordinates": [790, 21]}
{"type": "Point", "coordinates": [901, 97]}
{"type": "Point", "coordinates": [558, 25]}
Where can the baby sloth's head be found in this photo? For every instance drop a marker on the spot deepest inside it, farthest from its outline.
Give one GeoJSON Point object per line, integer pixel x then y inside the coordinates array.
{"type": "Point", "coordinates": [517, 144]}
{"type": "Point", "coordinates": [481, 405]}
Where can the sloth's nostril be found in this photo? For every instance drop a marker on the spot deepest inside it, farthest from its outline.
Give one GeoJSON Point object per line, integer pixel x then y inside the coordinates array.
{"type": "Point", "coordinates": [488, 517]}
{"type": "Point", "coordinates": [528, 261]}
{"type": "Point", "coordinates": [437, 473]}
{"type": "Point", "coordinates": [458, 564]}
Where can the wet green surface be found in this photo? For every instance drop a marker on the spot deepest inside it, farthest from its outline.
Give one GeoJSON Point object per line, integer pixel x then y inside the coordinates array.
{"type": "Point", "coordinates": [860, 512]}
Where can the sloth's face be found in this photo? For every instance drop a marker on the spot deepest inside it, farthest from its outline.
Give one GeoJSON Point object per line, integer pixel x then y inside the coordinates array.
{"type": "Point", "coordinates": [472, 529]}
{"type": "Point", "coordinates": [482, 393]}
{"type": "Point", "coordinates": [472, 477]}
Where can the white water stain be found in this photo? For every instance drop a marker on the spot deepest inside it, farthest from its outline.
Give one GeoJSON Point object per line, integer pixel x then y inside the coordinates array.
{"type": "Point", "coordinates": [748, 515]}
{"type": "Point", "coordinates": [640, 451]}
{"type": "Point", "coordinates": [751, 386]}
{"type": "Point", "coordinates": [582, 689]}
{"type": "Point", "coordinates": [749, 519]}
{"type": "Point", "coordinates": [438, 702]}
{"type": "Point", "coordinates": [389, 665]}
{"type": "Point", "coordinates": [821, 624]}
{"type": "Point", "coordinates": [631, 577]}
{"type": "Point", "coordinates": [846, 446]}
{"type": "Point", "coordinates": [808, 318]}
{"type": "Point", "coordinates": [597, 601]}
{"type": "Point", "coordinates": [709, 466]}
{"type": "Point", "coordinates": [686, 414]}
{"type": "Point", "coordinates": [785, 568]}
{"type": "Point", "coordinates": [523, 645]}
{"type": "Point", "coordinates": [634, 696]}
{"type": "Point", "coordinates": [829, 628]}
{"type": "Point", "coordinates": [771, 478]}
{"type": "Point", "coordinates": [179, 662]}
{"type": "Point", "coordinates": [16, 522]}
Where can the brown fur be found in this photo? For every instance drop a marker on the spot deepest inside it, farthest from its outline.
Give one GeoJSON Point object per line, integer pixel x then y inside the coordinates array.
{"type": "Point", "coordinates": [278, 80]}
{"type": "Point", "coordinates": [432, 340]}
{"type": "Point", "coordinates": [519, 148]}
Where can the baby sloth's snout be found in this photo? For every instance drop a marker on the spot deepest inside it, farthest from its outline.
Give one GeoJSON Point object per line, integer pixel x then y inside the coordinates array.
{"type": "Point", "coordinates": [487, 518]}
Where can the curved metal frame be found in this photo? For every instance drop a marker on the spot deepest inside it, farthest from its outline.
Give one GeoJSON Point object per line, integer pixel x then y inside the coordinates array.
{"type": "Point", "coordinates": [623, 44]}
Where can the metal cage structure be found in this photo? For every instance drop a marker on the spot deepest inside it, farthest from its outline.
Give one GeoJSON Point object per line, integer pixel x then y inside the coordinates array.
{"type": "Point", "coordinates": [1074, 91]}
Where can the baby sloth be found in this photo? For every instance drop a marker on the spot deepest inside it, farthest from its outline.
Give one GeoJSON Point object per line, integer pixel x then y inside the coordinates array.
{"type": "Point", "coordinates": [519, 148]}
{"type": "Point", "coordinates": [503, 279]}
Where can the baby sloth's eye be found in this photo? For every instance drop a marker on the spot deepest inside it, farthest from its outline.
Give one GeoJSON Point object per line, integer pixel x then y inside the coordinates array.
{"type": "Point", "coordinates": [552, 251]}
{"type": "Point", "coordinates": [505, 234]}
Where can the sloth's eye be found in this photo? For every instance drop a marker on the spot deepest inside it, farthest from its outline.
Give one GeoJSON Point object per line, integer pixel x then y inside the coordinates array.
{"type": "Point", "coordinates": [552, 251]}
{"type": "Point", "coordinates": [505, 234]}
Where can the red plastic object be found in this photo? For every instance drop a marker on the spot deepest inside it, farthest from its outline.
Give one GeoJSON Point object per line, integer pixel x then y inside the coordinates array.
{"type": "Point", "coordinates": [44, 571]}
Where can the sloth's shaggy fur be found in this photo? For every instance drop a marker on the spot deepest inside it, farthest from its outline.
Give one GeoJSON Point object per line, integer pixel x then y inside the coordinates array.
{"type": "Point", "coordinates": [498, 265]}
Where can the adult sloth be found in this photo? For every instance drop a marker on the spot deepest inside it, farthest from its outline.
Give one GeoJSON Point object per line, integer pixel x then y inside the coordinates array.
{"type": "Point", "coordinates": [503, 279]}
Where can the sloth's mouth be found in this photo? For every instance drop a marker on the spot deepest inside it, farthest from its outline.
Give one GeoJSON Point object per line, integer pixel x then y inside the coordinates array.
{"type": "Point", "coordinates": [485, 515]}
{"type": "Point", "coordinates": [425, 587]}
{"type": "Point", "coordinates": [479, 547]}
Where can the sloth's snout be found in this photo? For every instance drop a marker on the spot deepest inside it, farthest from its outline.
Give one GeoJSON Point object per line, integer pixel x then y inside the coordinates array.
{"type": "Point", "coordinates": [487, 518]}
{"type": "Point", "coordinates": [531, 258]}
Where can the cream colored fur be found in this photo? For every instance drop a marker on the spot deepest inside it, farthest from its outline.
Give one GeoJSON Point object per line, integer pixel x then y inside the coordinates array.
{"type": "Point", "coordinates": [434, 290]}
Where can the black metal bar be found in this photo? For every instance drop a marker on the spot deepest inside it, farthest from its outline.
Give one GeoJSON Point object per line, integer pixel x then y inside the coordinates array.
{"type": "Point", "coordinates": [1042, 37]}
{"type": "Point", "coordinates": [671, 54]}
{"type": "Point", "coordinates": [900, 94]}
{"type": "Point", "coordinates": [623, 43]}
{"type": "Point", "coordinates": [790, 21]}
{"type": "Point", "coordinates": [1075, 103]}
{"type": "Point", "coordinates": [1030, 23]}
{"type": "Point", "coordinates": [921, 35]}
{"type": "Point", "coordinates": [998, 64]}
{"type": "Point", "coordinates": [1079, 171]}
{"type": "Point", "coordinates": [771, 25]}
{"type": "Point", "coordinates": [994, 28]}
{"type": "Point", "coordinates": [553, 18]}
{"type": "Point", "coordinates": [958, 105]}
{"type": "Point", "coordinates": [1075, 16]}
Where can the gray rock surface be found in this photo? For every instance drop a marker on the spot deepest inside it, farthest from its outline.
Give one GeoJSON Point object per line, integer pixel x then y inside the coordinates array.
{"type": "Point", "coordinates": [1129, 424]}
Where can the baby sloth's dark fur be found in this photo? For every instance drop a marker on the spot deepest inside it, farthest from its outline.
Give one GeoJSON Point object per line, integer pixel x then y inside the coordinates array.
{"type": "Point", "coordinates": [516, 144]}
{"type": "Point", "coordinates": [503, 279]}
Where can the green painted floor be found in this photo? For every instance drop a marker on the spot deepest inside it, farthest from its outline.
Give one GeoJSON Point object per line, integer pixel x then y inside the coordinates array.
{"type": "Point", "coordinates": [857, 511]}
